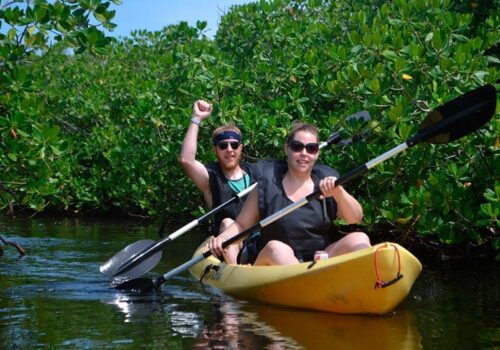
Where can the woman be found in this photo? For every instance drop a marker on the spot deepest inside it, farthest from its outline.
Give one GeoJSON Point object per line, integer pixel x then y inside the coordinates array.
{"type": "Point", "coordinates": [296, 236]}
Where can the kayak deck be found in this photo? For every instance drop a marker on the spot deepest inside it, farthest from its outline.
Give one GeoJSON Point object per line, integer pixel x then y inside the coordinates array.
{"type": "Point", "coordinates": [350, 283]}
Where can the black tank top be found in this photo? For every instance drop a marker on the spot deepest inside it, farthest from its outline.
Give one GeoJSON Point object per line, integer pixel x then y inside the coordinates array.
{"type": "Point", "coordinates": [222, 192]}
{"type": "Point", "coordinates": [308, 228]}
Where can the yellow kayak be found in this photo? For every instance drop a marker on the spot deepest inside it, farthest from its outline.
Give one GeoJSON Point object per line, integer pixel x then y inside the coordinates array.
{"type": "Point", "coordinates": [369, 281]}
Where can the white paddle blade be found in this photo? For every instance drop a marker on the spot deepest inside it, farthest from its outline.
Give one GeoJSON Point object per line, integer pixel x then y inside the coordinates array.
{"type": "Point", "coordinates": [112, 265]}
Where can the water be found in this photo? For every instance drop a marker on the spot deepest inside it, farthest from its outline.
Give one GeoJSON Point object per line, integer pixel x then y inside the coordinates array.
{"type": "Point", "coordinates": [55, 297]}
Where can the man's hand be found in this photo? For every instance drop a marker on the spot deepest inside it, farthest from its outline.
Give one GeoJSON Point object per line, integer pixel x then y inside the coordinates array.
{"type": "Point", "coordinates": [202, 109]}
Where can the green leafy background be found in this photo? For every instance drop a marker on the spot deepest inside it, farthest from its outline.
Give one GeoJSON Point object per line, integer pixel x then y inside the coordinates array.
{"type": "Point", "coordinates": [92, 124]}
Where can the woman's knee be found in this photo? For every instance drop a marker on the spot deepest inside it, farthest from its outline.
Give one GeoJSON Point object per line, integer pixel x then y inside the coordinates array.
{"type": "Point", "coordinates": [350, 243]}
{"type": "Point", "coordinates": [225, 223]}
{"type": "Point", "coordinates": [359, 237]}
{"type": "Point", "coordinates": [276, 253]}
{"type": "Point", "coordinates": [277, 247]}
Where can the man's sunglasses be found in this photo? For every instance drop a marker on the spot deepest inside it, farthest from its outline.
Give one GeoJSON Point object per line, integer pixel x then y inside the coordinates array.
{"type": "Point", "coordinates": [297, 146]}
{"type": "Point", "coordinates": [223, 145]}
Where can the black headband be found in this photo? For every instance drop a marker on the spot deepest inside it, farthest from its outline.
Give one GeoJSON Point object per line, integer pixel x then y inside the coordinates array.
{"type": "Point", "coordinates": [226, 135]}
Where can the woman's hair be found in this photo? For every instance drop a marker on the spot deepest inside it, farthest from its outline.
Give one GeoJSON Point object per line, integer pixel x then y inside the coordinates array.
{"type": "Point", "coordinates": [301, 127]}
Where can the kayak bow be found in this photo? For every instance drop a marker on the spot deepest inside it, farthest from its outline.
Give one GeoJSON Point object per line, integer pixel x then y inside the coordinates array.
{"type": "Point", "coordinates": [370, 281]}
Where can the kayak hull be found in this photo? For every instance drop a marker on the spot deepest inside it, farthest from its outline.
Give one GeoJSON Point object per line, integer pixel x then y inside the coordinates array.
{"type": "Point", "coordinates": [350, 283]}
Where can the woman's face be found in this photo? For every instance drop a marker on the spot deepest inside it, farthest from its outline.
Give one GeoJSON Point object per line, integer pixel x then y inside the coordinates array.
{"type": "Point", "coordinates": [302, 151]}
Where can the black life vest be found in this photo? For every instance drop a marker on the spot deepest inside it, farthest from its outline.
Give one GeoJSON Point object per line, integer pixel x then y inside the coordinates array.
{"type": "Point", "coordinates": [308, 228]}
{"type": "Point", "coordinates": [222, 192]}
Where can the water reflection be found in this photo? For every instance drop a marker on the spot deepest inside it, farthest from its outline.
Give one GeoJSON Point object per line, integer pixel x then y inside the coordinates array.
{"type": "Point", "coordinates": [179, 322]}
{"type": "Point", "coordinates": [212, 321]}
{"type": "Point", "coordinates": [181, 317]}
{"type": "Point", "coordinates": [251, 326]}
{"type": "Point", "coordinates": [236, 328]}
{"type": "Point", "coordinates": [316, 330]}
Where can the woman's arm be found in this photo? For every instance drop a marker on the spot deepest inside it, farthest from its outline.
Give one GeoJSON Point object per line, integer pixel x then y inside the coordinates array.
{"type": "Point", "coordinates": [348, 208]}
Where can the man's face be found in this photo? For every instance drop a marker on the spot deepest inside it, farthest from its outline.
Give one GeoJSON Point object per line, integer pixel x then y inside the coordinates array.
{"type": "Point", "coordinates": [228, 153]}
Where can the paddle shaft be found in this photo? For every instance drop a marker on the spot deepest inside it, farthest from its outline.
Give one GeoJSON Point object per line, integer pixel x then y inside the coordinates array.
{"type": "Point", "coordinates": [156, 247]}
{"type": "Point", "coordinates": [214, 211]}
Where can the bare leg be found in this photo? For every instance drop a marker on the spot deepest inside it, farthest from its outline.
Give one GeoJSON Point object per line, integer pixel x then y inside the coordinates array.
{"type": "Point", "coordinates": [232, 251]}
{"type": "Point", "coordinates": [350, 243]}
{"type": "Point", "coordinates": [276, 253]}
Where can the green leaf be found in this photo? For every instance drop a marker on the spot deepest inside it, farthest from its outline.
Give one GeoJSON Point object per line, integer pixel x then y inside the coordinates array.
{"type": "Point", "coordinates": [100, 17]}
{"type": "Point", "coordinates": [375, 85]}
{"type": "Point", "coordinates": [460, 38]}
{"type": "Point", "coordinates": [437, 42]}
{"type": "Point", "coordinates": [390, 55]}
{"type": "Point", "coordinates": [40, 12]}
{"type": "Point", "coordinates": [201, 25]}
{"type": "Point", "coordinates": [11, 34]}
{"type": "Point", "coordinates": [493, 59]}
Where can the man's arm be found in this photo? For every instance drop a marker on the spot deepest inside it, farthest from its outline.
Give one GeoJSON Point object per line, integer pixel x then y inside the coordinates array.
{"type": "Point", "coordinates": [193, 168]}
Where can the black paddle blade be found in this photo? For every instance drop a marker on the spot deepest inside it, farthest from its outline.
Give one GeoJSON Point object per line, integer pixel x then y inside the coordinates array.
{"type": "Point", "coordinates": [126, 260]}
{"type": "Point", "coordinates": [458, 117]}
{"type": "Point", "coordinates": [338, 137]}
{"type": "Point", "coordinates": [140, 285]}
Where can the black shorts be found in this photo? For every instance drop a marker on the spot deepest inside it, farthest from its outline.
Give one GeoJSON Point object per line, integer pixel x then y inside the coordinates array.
{"type": "Point", "coordinates": [249, 250]}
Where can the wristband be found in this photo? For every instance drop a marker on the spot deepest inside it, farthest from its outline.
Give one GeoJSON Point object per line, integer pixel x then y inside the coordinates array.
{"type": "Point", "coordinates": [195, 121]}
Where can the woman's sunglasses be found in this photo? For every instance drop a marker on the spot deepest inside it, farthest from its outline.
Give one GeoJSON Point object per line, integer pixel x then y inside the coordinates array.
{"type": "Point", "coordinates": [297, 146]}
{"type": "Point", "coordinates": [223, 144]}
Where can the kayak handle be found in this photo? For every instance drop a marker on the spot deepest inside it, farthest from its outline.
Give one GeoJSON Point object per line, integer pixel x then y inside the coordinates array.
{"type": "Point", "coordinates": [380, 283]}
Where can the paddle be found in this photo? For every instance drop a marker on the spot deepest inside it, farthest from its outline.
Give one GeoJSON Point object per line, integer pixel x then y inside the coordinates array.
{"type": "Point", "coordinates": [148, 252]}
{"type": "Point", "coordinates": [140, 257]}
{"type": "Point", "coordinates": [336, 136]}
{"type": "Point", "coordinates": [455, 119]}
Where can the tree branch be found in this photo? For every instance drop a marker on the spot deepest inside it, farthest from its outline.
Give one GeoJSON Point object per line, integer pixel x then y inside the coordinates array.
{"type": "Point", "coordinates": [20, 249]}
{"type": "Point", "coordinates": [8, 3]}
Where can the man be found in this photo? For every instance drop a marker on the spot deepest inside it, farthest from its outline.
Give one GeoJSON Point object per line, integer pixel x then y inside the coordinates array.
{"type": "Point", "coordinates": [218, 181]}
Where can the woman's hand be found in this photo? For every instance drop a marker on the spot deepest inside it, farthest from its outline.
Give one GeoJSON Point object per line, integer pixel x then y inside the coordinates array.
{"type": "Point", "coordinates": [348, 208]}
{"type": "Point", "coordinates": [327, 187]}
{"type": "Point", "coordinates": [215, 245]}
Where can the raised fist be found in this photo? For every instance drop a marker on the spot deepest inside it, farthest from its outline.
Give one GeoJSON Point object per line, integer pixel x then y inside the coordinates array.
{"type": "Point", "coordinates": [202, 109]}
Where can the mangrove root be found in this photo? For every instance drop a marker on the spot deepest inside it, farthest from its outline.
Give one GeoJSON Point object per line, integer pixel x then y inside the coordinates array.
{"type": "Point", "coordinates": [17, 246]}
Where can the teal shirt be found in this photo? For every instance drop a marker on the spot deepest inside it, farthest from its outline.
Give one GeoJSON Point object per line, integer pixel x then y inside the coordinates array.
{"type": "Point", "coordinates": [240, 184]}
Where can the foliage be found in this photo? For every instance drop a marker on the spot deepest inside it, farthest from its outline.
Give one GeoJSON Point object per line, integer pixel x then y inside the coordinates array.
{"type": "Point", "coordinates": [113, 124]}
{"type": "Point", "coordinates": [399, 60]}
{"type": "Point", "coordinates": [30, 164]}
